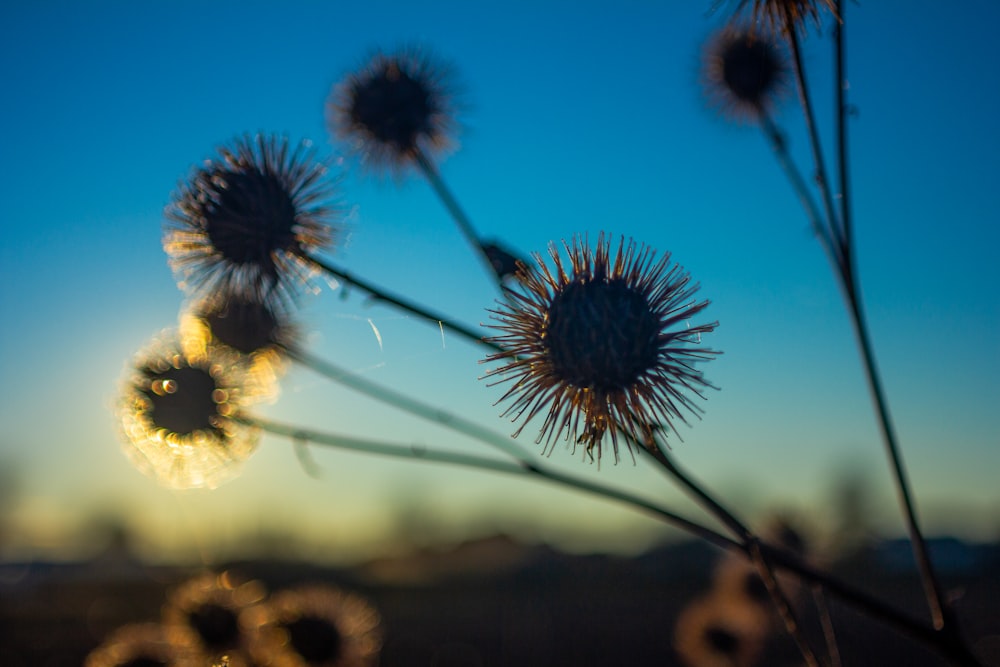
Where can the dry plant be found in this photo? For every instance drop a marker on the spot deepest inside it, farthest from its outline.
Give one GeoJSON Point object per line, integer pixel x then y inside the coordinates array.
{"type": "Point", "coordinates": [602, 341]}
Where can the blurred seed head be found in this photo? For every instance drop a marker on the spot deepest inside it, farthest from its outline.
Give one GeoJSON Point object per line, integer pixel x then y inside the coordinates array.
{"type": "Point", "coordinates": [397, 105]}
{"type": "Point", "coordinates": [179, 412]}
{"type": "Point", "coordinates": [255, 330]}
{"type": "Point", "coordinates": [744, 72]}
{"type": "Point", "coordinates": [603, 345]}
{"type": "Point", "coordinates": [247, 220]}
{"type": "Point", "coordinates": [714, 632]}
{"type": "Point", "coordinates": [214, 611]}
{"type": "Point", "coordinates": [317, 626]}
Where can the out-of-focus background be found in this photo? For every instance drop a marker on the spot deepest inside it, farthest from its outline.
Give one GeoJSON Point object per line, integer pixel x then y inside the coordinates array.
{"type": "Point", "coordinates": [576, 118]}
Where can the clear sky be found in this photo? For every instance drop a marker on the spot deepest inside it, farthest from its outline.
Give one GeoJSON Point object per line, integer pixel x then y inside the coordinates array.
{"type": "Point", "coordinates": [577, 117]}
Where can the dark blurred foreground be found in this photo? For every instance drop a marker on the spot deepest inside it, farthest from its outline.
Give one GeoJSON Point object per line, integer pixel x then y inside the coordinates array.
{"type": "Point", "coordinates": [498, 602]}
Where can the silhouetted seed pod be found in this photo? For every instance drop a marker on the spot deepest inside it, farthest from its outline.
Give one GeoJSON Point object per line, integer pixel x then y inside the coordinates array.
{"type": "Point", "coordinates": [604, 345]}
{"type": "Point", "coordinates": [396, 106]}
{"type": "Point", "coordinates": [246, 222]}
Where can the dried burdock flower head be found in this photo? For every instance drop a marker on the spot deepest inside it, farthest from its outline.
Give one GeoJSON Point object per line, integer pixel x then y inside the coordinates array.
{"type": "Point", "coordinates": [246, 221]}
{"type": "Point", "coordinates": [317, 626]}
{"type": "Point", "coordinates": [602, 344]}
{"type": "Point", "coordinates": [397, 106]}
{"type": "Point", "coordinates": [214, 611]}
{"type": "Point", "coordinates": [143, 645]}
{"type": "Point", "coordinates": [744, 72]}
{"type": "Point", "coordinates": [180, 410]}
{"type": "Point", "coordinates": [784, 16]}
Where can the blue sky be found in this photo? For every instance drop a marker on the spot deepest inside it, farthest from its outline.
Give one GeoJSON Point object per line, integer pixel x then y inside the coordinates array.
{"type": "Point", "coordinates": [577, 118]}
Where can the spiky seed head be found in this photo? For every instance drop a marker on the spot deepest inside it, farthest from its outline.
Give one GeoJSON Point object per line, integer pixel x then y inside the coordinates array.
{"type": "Point", "coordinates": [396, 106]}
{"type": "Point", "coordinates": [179, 411]}
{"type": "Point", "coordinates": [247, 221]}
{"type": "Point", "coordinates": [744, 72]}
{"type": "Point", "coordinates": [603, 345]}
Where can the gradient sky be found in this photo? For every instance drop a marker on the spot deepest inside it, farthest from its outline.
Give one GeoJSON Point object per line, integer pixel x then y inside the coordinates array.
{"type": "Point", "coordinates": [577, 117]}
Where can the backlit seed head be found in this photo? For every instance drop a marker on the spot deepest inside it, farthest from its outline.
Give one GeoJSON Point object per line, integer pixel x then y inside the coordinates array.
{"type": "Point", "coordinates": [180, 409]}
{"type": "Point", "coordinates": [247, 221]}
{"type": "Point", "coordinates": [744, 72]}
{"type": "Point", "coordinates": [318, 626]}
{"type": "Point", "coordinates": [396, 106]}
{"type": "Point", "coordinates": [604, 345]}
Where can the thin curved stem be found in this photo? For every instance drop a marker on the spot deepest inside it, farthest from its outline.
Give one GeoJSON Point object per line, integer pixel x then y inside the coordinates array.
{"type": "Point", "coordinates": [826, 622]}
{"type": "Point", "coordinates": [780, 601]}
{"type": "Point", "coordinates": [747, 538]}
{"type": "Point", "coordinates": [402, 303]}
{"type": "Point", "coordinates": [842, 256]}
{"type": "Point", "coordinates": [780, 145]}
{"type": "Point", "coordinates": [941, 614]}
{"type": "Point", "coordinates": [433, 176]}
{"type": "Point", "coordinates": [947, 645]}
{"type": "Point", "coordinates": [841, 116]}
{"type": "Point", "coordinates": [523, 468]}
{"type": "Point", "coordinates": [932, 588]}
{"type": "Point", "coordinates": [821, 179]}
{"type": "Point", "coordinates": [408, 404]}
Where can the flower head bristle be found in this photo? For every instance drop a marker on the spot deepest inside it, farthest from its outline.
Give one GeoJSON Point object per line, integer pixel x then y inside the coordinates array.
{"type": "Point", "coordinates": [744, 72]}
{"type": "Point", "coordinates": [595, 344]}
{"type": "Point", "coordinates": [180, 412]}
{"type": "Point", "coordinates": [396, 106]}
{"type": "Point", "coordinates": [785, 16]}
{"type": "Point", "coordinates": [247, 221]}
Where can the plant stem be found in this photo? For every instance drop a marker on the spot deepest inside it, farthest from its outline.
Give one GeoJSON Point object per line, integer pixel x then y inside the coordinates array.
{"type": "Point", "coordinates": [778, 142]}
{"type": "Point", "coordinates": [841, 116]}
{"type": "Point", "coordinates": [408, 404]}
{"type": "Point", "coordinates": [826, 622]}
{"type": "Point", "coordinates": [947, 645]}
{"type": "Point", "coordinates": [821, 179]}
{"type": "Point", "coordinates": [433, 176]}
{"type": "Point", "coordinates": [749, 541]}
{"type": "Point", "coordinates": [401, 302]}
{"type": "Point", "coordinates": [932, 589]}
{"type": "Point", "coordinates": [842, 256]}
{"type": "Point", "coordinates": [940, 614]}
{"type": "Point", "coordinates": [523, 468]}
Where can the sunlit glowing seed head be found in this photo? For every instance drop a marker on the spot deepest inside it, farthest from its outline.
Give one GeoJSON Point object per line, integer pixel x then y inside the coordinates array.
{"type": "Point", "coordinates": [247, 221]}
{"type": "Point", "coordinates": [396, 106]}
{"type": "Point", "coordinates": [248, 325]}
{"type": "Point", "coordinates": [319, 626]}
{"type": "Point", "coordinates": [180, 410]}
{"type": "Point", "coordinates": [784, 16]}
{"type": "Point", "coordinates": [603, 346]}
{"type": "Point", "coordinates": [744, 73]}
{"type": "Point", "coordinates": [144, 645]}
